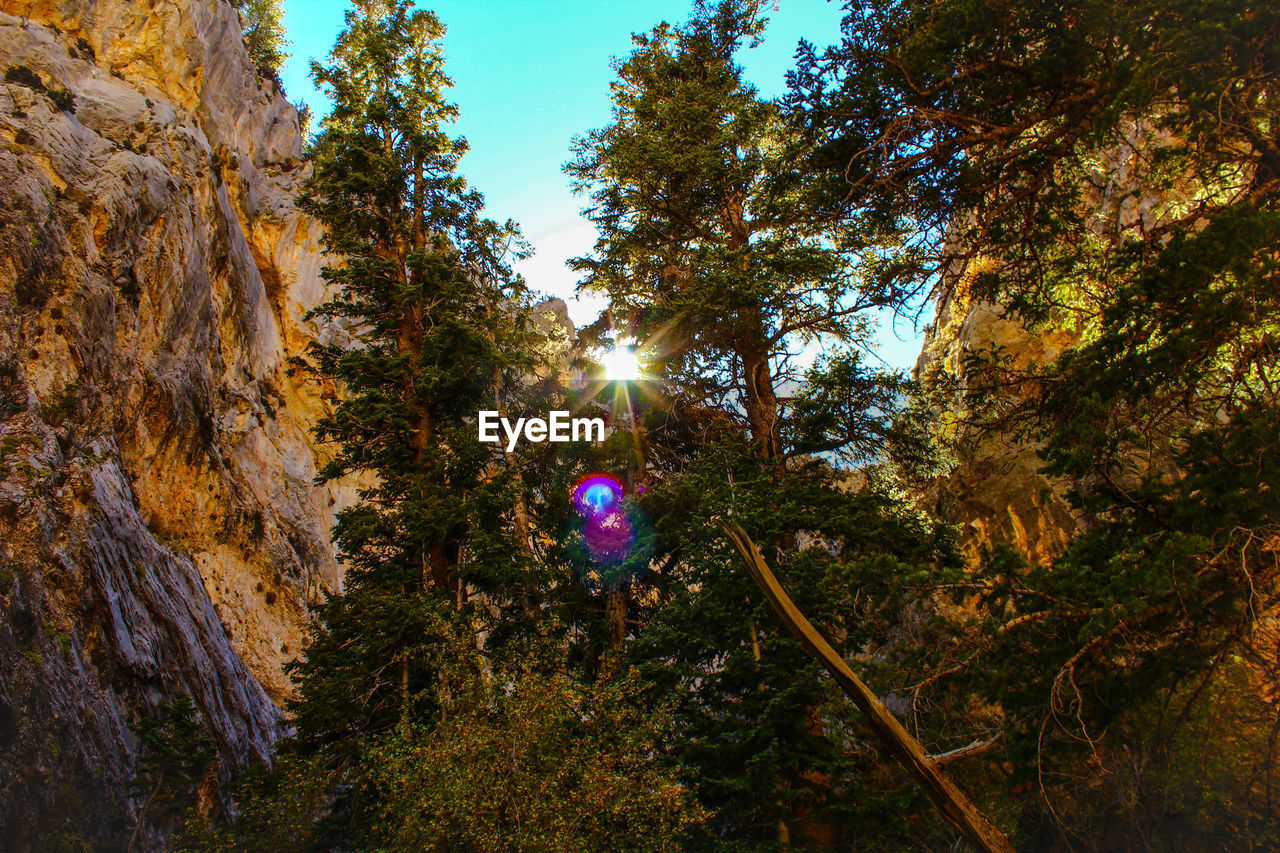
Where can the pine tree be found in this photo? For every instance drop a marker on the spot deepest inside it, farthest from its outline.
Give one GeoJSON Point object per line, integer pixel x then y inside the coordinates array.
{"type": "Point", "coordinates": [175, 754]}
{"type": "Point", "coordinates": [706, 248]}
{"type": "Point", "coordinates": [264, 38]}
{"type": "Point", "coordinates": [440, 330]}
{"type": "Point", "coordinates": [448, 573]}
{"type": "Point", "coordinates": [714, 261]}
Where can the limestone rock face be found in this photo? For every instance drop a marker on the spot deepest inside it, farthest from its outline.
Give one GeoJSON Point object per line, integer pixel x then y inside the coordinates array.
{"type": "Point", "coordinates": [160, 531]}
{"type": "Point", "coordinates": [995, 491]}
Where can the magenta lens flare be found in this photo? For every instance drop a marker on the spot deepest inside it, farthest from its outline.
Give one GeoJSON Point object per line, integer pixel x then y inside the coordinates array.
{"type": "Point", "coordinates": [608, 533]}
{"type": "Point", "coordinates": [609, 538]}
{"type": "Point", "coordinates": [597, 495]}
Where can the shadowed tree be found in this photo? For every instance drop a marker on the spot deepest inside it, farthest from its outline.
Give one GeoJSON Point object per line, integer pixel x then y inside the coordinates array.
{"type": "Point", "coordinates": [1111, 169]}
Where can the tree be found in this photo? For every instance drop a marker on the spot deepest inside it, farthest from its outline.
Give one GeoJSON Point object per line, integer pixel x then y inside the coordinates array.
{"type": "Point", "coordinates": [448, 568]}
{"type": "Point", "coordinates": [706, 249]}
{"type": "Point", "coordinates": [276, 809]}
{"type": "Point", "coordinates": [441, 329]}
{"type": "Point", "coordinates": [771, 746]}
{"type": "Point", "coordinates": [1110, 169]}
{"type": "Point", "coordinates": [714, 261]}
{"type": "Point", "coordinates": [174, 755]}
{"type": "Point", "coordinates": [263, 23]}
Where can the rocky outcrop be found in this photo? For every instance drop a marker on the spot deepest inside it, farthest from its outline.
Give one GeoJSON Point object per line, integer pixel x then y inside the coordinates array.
{"type": "Point", "coordinates": [161, 529]}
{"type": "Point", "coordinates": [994, 490]}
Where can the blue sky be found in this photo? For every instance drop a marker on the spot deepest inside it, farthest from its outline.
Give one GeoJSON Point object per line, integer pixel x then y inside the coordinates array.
{"type": "Point", "coordinates": [528, 76]}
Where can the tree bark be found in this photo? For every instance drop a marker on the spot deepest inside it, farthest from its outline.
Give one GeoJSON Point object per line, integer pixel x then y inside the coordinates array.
{"type": "Point", "coordinates": [616, 604]}
{"type": "Point", "coordinates": [761, 402]}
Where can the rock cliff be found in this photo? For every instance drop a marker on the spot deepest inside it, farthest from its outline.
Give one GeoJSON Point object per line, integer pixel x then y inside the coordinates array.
{"type": "Point", "coordinates": [161, 532]}
{"type": "Point", "coordinates": [994, 489]}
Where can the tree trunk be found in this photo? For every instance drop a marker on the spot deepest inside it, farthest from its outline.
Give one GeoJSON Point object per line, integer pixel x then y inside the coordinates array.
{"type": "Point", "coordinates": [753, 350]}
{"type": "Point", "coordinates": [616, 604]}
{"type": "Point", "coordinates": [142, 813]}
{"type": "Point", "coordinates": [761, 402]}
{"type": "Point", "coordinates": [948, 799]}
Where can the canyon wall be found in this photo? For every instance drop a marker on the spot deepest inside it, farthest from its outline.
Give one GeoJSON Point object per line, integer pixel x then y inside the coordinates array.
{"type": "Point", "coordinates": [160, 531]}
{"type": "Point", "coordinates": [993, 489]}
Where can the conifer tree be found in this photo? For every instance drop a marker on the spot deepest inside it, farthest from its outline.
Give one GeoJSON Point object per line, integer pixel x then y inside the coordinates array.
{"type": "Point", "coordinates": [713, 260]}
{"type": "Point", "coordinates": [440, 330]}
{"type": "Point", "coordinates": [446, 570]}
{"type": "Point", "coordinates": [264, 38]}
{"type": "Point", "coordinates": [706, 248]}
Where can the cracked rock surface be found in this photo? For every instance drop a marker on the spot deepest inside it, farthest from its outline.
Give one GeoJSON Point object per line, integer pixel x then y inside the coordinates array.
{"type": "Point", "coordinates": [160, 530]}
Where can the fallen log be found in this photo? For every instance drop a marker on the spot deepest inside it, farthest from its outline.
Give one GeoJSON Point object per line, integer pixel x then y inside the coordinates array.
{"type": "Point", "coordinates": [947, 798]}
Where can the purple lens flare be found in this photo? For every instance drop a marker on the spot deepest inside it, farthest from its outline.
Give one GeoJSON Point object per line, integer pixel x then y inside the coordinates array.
{"type": "Point", "coordinates": [596, 495]}
{"type": "Point", "coordinates": [608, 533]}
{"type": "Point", "coordinates": [609, 538]}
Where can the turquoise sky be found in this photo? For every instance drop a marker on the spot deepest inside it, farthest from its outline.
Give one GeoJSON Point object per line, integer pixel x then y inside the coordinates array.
{"type": "Point", "coordinates": [529, 76]}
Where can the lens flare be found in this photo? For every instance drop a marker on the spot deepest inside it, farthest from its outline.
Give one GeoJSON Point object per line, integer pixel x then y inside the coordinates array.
{"type": "Point", "coordinates": [596, 495]}
{"type": "Point", "coordinates": [607, 533]}
{"type": "Point", "coordinates": [609, 538]}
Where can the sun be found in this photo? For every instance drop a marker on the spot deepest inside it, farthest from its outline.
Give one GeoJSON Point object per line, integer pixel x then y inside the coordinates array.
{"type": "Point", "coordinates": [620, 364]}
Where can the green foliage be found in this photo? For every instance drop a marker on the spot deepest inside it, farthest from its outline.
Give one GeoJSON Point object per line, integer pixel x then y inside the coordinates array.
{"type": "Point", "coordinates": [86, 50]}
{"type": "Point", "coordinates": [858, 414]}
{"type": "Point", "coordinates": [264, 38]}
{"type": "Point", "coordinates": [277, 811]}
{"type": "Point", "coordinates": [1108, 169]}
{"type": "Point", "coordinates": [712, 256]}
{"type": "Point", "coordinates": [576, 745]}
{"type": "Point", "coordinates": [173, 746]}
{"type": "Point", "coordinates": [707, 249]}
{"type": "Point", "coordinates": [768, 739]}
{"type": "Point", "coordinates": [63, 405]}
{"type": "Point", "coordinates": [22, 75]}
{"type": "Point", "coordinates": [13, 396]}
{"type": "Point", "coordinates": [304, 118]}
{"type": "Point", "coordinates": [445, 331]}
{"type": "Point", "coordinates": [174, 754]}
{"type": "Point", "coordinates": [62, 99]}
{"type": "Point", "coordinates": [435, 552]}
{"type": "Point", "coordinates": [529, 759]}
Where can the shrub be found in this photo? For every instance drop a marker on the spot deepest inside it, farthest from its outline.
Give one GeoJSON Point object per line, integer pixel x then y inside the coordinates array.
{"type": "Point", "coordinates": [23, 76]}
{"type": "Point", "coordinates": [63, 100]}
